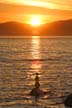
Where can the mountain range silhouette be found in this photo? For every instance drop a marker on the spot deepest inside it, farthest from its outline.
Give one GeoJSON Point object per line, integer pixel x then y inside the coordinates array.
{"type": "Point", "coordinates": [57, 28]}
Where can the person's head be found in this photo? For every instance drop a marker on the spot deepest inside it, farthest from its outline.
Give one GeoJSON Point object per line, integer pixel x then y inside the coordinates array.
{"type": "Point", "coordinates": [36, 73]}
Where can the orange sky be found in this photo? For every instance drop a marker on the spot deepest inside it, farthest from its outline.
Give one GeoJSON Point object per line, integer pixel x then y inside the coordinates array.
{"type": "Point", "coordinates": [49, 10]}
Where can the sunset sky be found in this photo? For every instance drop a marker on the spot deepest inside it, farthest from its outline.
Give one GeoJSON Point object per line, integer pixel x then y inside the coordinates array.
{"type": "Point", "coordinates": [22, 10]}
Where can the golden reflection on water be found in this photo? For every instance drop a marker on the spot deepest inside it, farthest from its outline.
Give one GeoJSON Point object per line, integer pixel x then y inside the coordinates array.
{"type": "Point", "coordinates": [36, 65]}
{"type": "Point", "coordinates": [35, 47]}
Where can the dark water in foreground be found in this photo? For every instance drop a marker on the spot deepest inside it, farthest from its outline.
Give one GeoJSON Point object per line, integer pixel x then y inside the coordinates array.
{"type": "Point", "coordinates": [20, 59]}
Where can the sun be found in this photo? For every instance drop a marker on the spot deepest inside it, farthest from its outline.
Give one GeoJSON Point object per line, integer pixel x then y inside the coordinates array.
{"type": "Point", "coordinates": [35, 21]}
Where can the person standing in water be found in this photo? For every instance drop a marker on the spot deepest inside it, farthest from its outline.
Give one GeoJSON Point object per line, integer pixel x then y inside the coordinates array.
{"type": "Point", "coordinates": [36, 91]}
{"type": "Point", "coordinates": [37, 84]}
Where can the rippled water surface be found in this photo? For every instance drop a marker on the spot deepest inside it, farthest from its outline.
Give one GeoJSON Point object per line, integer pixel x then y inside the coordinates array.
{"type": "Point", "coordinates": [20, 59]}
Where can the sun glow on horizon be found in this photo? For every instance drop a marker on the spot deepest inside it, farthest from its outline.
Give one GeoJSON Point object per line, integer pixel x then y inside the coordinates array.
{"type": "Point", "coordinates": [35, 21]}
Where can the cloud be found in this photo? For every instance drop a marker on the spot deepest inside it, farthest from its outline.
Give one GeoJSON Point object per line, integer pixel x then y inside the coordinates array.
{"type": "Point", "coordinates": [17, 12]}
{"type": "Point", "coordinates": [23, 9]}
{"type": "Point", "coordinates": [51, 4]}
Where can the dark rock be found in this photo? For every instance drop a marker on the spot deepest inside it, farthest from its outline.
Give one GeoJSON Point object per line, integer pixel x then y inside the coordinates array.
{"type": "Point", "coordinates": [68, 101]}
{"type": "Point", "coordinates": [37, 92]}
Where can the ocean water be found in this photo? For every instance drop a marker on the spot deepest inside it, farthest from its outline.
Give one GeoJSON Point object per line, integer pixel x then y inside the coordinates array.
{"type": "Point", "coordinates": [20, 59]}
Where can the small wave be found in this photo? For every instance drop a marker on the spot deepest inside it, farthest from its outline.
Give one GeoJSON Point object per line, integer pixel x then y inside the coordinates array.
{"type": "Point", "coordinates": [31, 60]}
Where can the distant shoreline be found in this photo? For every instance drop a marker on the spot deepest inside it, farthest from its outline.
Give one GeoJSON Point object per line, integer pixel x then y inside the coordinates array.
{"type": "Point", "coordinates": [29, 37]}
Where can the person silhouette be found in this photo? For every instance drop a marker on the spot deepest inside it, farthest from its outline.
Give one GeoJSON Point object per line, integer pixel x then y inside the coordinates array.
{"type": "Point", "coordinates": [37, 84]}
{"type": "Point", "coordinates": [36, 91]}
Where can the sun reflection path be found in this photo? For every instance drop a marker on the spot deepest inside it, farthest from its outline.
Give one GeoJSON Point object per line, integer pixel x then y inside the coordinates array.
{"type": "Point", "coordinates": [36, 55]}
{"type": "Point", "coordinates": [36, 47]}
